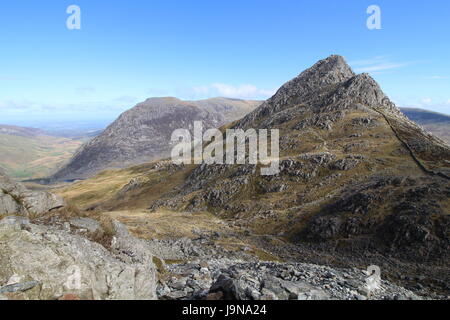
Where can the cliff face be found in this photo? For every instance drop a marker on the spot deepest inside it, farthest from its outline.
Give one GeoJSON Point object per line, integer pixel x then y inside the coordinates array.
{"type": "Point", "coordinates": [143, 133]}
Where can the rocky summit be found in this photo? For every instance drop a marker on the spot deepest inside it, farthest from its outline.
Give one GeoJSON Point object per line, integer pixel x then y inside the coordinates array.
{"type": "Point", "coordinates": [143, 133]}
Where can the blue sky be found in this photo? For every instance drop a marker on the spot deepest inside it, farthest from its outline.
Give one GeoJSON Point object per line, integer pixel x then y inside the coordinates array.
{"type": "Point", "coordinates": [127, 51]}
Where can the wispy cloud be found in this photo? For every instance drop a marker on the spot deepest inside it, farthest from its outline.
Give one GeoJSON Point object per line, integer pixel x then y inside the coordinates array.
{"type": "Point", "coordinates": [437, 105]}
{"type": "Point", "coordinates": [158, 92]}
{"type": "Point", "coordinates": [126, 99]}
{"type": "Point", "coordinates": [85, 91]}
{"type": "Point", "coordinates": [118, 104]}
{"type": "Point", "coordinates": [377, 64]}
{"type": "Point", "coordinates": [4, 77]}
{"type": "Point", "coordinates": [437, 77]}
{"type": "Point", "coordinates": [426, 101]}
{"type": "Point", "coordinates": [245, 91]}
{"type": "Point", "coordinates": [17, 105]}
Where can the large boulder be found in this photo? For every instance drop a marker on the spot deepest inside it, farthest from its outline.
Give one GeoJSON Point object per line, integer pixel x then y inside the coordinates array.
{"type": "Point", "coordinates": [44, 262]}
{"type": "Point", "coordinates": [15, 198]}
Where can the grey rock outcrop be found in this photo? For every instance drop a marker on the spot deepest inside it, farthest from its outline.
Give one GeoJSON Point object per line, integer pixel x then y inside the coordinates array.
{"type": "Point", "coordinates": [44, 262]}
{"type": "Point", "coordinates": [228, 279]}
{"type": "Point", "coordinates": [16, 199]}
{"type": "Point", "coordinates": [87, 224]}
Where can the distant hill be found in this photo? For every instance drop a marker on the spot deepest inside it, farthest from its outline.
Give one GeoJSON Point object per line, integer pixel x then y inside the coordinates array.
{"type": "Point", "coordinates": [436, 123]}
{"type": "Point", "coordinates": [20, 131]}
{"type": "Point", "coordinates": [143, 133]}
{"type": "Point", "coordinates": [72, 133]}
{"type": "Point", "coordinates": [28, 153]}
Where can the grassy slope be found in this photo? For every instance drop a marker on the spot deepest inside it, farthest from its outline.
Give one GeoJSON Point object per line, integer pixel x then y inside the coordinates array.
{"type": "Point", "coordinates": [34, 157]}
{"type": "Point", "coordinates": [104, 188]}
{"type": "Point", "coordinates": [441, 130]}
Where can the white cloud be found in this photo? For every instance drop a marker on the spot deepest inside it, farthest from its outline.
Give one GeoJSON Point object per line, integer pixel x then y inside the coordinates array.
{"type": "Point", "coordinates": [17, 105]}
{"type": "Point", "coordinates": [427, 104]}
{"type": "Point", "coordinates": [36, 107]}
{"type": "Point", "coordinates": [85, 91]}
{"type": "Point", "coordinates": [426, 101]}
{"type": "Point", "coordinates": [377, 64]}
{"type": "Point", "coordinates": [126, 99]}
{"type": "Point", "coordinates": [9, 78]}
{"type": "Point", "coordinates": [202, 90]}
{"type": "Point", "coordinates": [245, 91]}
{"type": "Point", "coordinates": [158, 92]}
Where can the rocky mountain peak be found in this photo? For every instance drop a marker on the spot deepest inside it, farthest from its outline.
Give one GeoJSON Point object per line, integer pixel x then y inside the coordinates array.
{"type": "Point", "coordinates": [362, 89]}
{"type": "Point", "coordinates": [333, 69]}
{"type": "Point", "coordinates": [330, 85]}
{"type": "Point", "coordinates": [327, 72]}
{"type": "Point", "coordinates": [143, 133]}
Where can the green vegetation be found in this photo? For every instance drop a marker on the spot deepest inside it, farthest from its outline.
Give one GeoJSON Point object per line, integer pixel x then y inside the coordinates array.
{"type": "Point", "coordinates": [34, 157]}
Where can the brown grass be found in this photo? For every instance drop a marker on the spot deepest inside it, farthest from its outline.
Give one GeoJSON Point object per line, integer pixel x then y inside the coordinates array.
{"type": "Point", "coordinates": [166, 224]}
{"type": "Point", "coordinates": [97, 189]}
{"type": "Point", "coordinates": [104, 188]}
{"type": "Point", "coordinates": [265, 256]}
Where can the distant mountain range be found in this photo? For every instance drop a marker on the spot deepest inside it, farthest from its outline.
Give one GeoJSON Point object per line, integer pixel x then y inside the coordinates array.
{"type": "Point", "coordinates": [436, 123]}
{"type": "Point", "coordinates": [21, 131]}
{"type": "Point", "coordinates": [30, 153]}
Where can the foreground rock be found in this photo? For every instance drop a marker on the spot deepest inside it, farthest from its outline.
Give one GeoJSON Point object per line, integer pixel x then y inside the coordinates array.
{"type": "Point", "coordinates": [226, 279]}
{"type": "Point", "coordinates": [16, 199]}
{"type": "Point", "coordinates": [47, 262]}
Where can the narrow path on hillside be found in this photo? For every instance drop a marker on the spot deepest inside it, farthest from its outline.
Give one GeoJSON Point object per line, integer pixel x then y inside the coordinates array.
{"type": "Point", "coordinates": [411, 152]}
